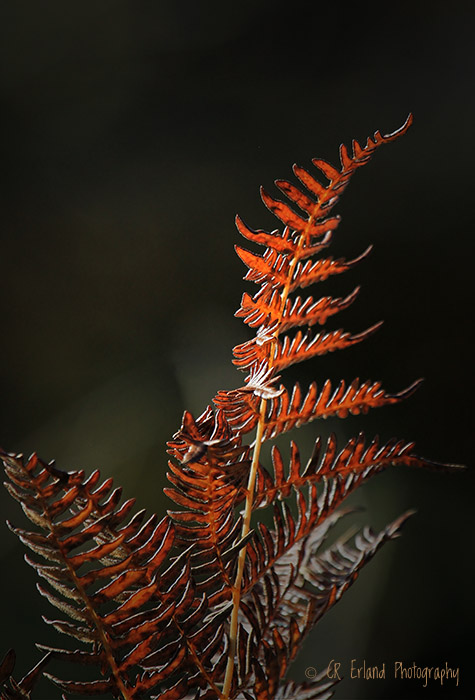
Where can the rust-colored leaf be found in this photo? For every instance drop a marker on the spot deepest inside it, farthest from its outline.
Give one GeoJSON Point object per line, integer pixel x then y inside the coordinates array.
{"type": "Point", "coordinates": [265, 309]}
{"type": "Point", "coordinates": [303, 346]}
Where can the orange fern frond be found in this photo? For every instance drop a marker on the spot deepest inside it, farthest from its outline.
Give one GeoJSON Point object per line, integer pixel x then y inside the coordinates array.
{"type": "Point", "coordinates": [120, 565]}
{"type": "Point", "coordinates": [265, 308]}
{"type": "Point", "coordinates": [289, 351]}
{"type": "Point", "coordinates": [328, 478]}
{"type": "Point", "coordinates": [199, 605]}
{"type": "Point", "coordinates": [317, 200]}
{"type": "Point", "coordinates": [274, 267]}
{"type": "Point", "coordinates": [205, 482]}
{"type": "Point", "coordinates": [351, 463]}
{"type": "Point", "coordinates": [285, 412]}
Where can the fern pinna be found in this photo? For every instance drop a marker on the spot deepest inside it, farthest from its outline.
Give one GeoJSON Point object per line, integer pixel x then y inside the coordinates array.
{"type": "Point", "coordinates": [197, 604]}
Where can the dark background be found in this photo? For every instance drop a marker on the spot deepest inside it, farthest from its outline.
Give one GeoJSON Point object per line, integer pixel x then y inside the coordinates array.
{"type": "Point", "coordinates": [131, 135]}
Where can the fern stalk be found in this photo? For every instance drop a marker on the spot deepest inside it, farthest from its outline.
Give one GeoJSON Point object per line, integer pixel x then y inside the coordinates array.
{"type": "Point", "coordinates": [233, 630]}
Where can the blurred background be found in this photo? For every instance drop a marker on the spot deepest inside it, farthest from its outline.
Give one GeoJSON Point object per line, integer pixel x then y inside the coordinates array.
{"type": "Point", "coordinates": [132, 133]}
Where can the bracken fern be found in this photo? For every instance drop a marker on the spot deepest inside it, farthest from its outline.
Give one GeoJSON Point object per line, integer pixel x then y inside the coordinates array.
{"type": "Point", "coordinates": [197, 604]}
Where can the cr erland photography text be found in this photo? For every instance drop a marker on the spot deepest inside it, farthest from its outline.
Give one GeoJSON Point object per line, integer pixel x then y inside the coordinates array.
{"type": "Point", "coordinates": [441, 673]}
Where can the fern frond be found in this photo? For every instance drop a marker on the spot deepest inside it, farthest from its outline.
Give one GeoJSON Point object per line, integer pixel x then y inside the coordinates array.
{"type": "Point", "coordinates": [205, 482]}
{"type": "Point", "coordinates": [341, 563]}
{"type": "Point", "coordinates": [315, 202]}
{"type": "Point", "coordinates": [115, 585]}
{"type": "Point", "coordinates": [355, 462]}
{"type": "Point", "coordinates": [272, 311]}
{"type": "Point", "coordinates": [265, 308]}
{"type": "Point", "coordinates": [284, 412]}
{"type": "Point", "coordinates": [281, 609]}
{"type": "Point", "coordinates": [303, 346]}
{"type": "Point", "coordinates": [197, 605]}
{"type": "Point", "coordinates": [329, 574]}
{"type": "Point", "coordinates": [274, 267]}
{"type": "Point", "coordinates": [327, 196]}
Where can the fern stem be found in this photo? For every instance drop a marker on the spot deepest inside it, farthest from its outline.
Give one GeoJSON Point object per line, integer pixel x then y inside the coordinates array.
{"type": "Point", "coordinates": [246, 526]}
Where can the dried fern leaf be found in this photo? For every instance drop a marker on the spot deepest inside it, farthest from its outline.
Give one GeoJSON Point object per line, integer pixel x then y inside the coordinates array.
{"type": "Point", "coordinates": [330, 575]}
{"type": "Point", "coordinates": [198, 605]}
{"type": "Point", "coordinates": [316, 200]}
{"type": "Point", "coordinates": [274, 268]}
{"type": "Point", "coordinates": [355, 461]}
{"type": "Point", "coordinates": [284, 412]}
{"type": "Point", "coordinates": [205, 483]}
{"type": "Point", "coordinates": [329, 477]}
{"type": "Point", "coordinates": [289, 351]}
{"type": "Point", "coordinates": [116, 591]}
{"type": "Point", "coordinates": [265, 308]}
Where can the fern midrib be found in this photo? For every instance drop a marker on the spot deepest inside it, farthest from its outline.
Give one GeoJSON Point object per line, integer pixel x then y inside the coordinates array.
{"type": "Point", "coordinates": [258, 444]}
{"type": "Point", "coordinates": [98, 622]}
{"type": "Point", "coordinates": [82, 591]}
{"type": "Point", "coordinates": [197, 660]}
{"type": "Point", "coordinates": [190, 646]}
